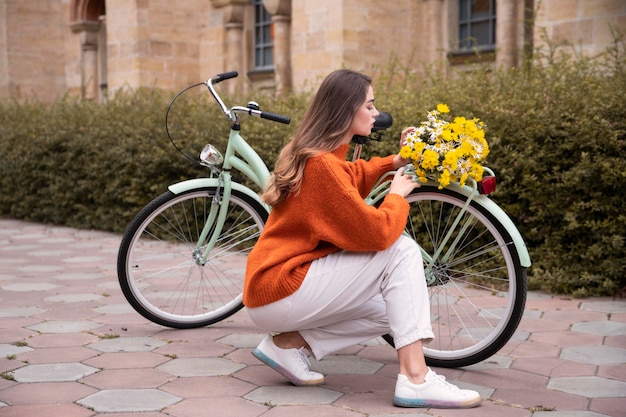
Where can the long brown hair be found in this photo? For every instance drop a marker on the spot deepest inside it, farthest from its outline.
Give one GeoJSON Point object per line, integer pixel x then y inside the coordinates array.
{"type": "Point", "coordinates": [323, 128]}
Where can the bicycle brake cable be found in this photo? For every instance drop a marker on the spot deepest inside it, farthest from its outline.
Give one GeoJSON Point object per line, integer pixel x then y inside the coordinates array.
{"type": "Point", "coordinates": [193, 160]}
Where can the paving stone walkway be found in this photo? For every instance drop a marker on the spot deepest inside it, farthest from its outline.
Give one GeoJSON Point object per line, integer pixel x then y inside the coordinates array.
{"type": "Point", "coordinates": [71, 346]}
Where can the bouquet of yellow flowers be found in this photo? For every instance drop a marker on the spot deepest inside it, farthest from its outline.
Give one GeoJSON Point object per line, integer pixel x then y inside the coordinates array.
{"type": "Point", "coordinates": [447, 151]}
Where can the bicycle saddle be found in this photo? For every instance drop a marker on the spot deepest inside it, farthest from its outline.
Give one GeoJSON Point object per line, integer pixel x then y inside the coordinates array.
{"type": "Point", "coordinates": [383, 122]}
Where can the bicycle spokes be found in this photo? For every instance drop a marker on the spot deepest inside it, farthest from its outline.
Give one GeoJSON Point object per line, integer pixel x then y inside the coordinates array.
{"type": "Point", "coordinates": [475, 282]}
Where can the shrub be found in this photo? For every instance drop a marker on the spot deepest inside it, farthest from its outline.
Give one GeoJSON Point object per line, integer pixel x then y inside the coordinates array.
{"type": "Point", "coordinates": [556, 130]}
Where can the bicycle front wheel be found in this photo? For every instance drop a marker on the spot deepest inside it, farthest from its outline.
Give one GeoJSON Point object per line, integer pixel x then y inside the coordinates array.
{"type": "Point", "coordinates": [476, 284]}
{"type": "Point", "coordinates": [160, 266]}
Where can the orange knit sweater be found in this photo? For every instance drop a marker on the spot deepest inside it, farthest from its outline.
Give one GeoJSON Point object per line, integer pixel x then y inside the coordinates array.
{"type": "Point", "coordinates": [327, 215]}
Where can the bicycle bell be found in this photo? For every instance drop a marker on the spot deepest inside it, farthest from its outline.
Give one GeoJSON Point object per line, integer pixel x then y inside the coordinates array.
{"type": "Point", "coordinates": [210, 156]}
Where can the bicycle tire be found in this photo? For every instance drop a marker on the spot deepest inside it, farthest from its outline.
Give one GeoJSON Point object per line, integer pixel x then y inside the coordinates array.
{"type": "Point", "coordinates": [158, 268]}
{"type": "Point", "coordinates": [478, 295]}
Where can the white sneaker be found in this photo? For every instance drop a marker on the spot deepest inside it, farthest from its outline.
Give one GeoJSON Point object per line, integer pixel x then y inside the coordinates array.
{"type": "Point", "coordinates": [293, 364]}
{"type": "Point", "coordinates": [435, 392]}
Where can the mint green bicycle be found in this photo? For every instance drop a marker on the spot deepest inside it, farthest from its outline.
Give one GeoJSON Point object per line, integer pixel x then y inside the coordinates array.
{"type": "Point", "coordinates": [182, 259]}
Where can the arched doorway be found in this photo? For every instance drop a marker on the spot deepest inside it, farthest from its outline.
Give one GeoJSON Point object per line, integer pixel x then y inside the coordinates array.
{"type": "Point", "coordinates": [88, 19]}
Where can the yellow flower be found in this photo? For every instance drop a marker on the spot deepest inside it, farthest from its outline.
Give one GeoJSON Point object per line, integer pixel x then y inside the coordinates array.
{"type": "Point", "coordinates": [466, 148]}
{"type": "Point", "coordinates": [459, 121]}
{"type": "Point", "coordinates": [419, 147]}
{"type": "Point", "coordinates": [463, 179]}
{"type": "Point", "coordinates": [444, 179]}
{"type": "Point", "coordinates": [405, 152]}
{"type": "Point", "coordinates": [476, 171]}
{"type": "Point", "coordinates": [430, 159]}
{"type": "Point", "coordinates": [447, 135]}
{"type": "Point", "coordinates": [421, 175]}
{"type": "Point", "coordinates": [443, 108]}
{"type": "Point", "coordinates": [451, 158]}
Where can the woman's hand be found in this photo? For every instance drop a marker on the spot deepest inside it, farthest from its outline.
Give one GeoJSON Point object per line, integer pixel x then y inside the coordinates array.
{"type": "Point", "coordinates": [397, 160]}
{"type": "Point", "coordinates": [405, 132]}
{"type": "Point", "coordinates": [402, 184]}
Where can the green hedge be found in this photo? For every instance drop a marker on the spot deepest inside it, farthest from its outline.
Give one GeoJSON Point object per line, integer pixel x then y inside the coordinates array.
{"type": "Point", "coordinates": [556, 129]}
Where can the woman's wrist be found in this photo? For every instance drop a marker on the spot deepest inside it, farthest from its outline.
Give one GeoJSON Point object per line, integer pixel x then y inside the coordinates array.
{"type": "Point", "coordinates": [399, 162]}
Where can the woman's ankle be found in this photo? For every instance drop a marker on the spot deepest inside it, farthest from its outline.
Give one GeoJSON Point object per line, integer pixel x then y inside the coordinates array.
{"type": "Point", "coordinates": [412, 362]}
{"type": "Point", "coordinates": [290, 340]}
{"type": "Point", "coordinates": [415, 377]}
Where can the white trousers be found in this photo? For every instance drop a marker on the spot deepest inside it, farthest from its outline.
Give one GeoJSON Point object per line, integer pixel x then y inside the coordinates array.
{"type": "Point", "coordinates": [350, 297]}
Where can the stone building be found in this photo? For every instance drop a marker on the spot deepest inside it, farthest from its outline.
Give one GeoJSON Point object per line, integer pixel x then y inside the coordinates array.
{"type": "Point", "coordinates": [93, 47]}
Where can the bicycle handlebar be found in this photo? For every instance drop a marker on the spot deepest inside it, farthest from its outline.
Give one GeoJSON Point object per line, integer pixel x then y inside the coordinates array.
{"type": "Point", "coordinates": [250, 110]}
{"type": "Point", "coordinates": [253, 110]}
{"type": "Point", "coordinates": [225, 76]}
{"type": "Point", "coordinates": [275, 117]}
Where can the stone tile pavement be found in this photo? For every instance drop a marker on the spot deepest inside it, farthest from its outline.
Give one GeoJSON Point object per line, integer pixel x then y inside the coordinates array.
{"type": "Point", "coordinates": [70, 346]}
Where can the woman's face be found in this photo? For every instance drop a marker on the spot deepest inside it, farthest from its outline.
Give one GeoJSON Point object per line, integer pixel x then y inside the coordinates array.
{"type": "Point", "coordinates": [365, 116]}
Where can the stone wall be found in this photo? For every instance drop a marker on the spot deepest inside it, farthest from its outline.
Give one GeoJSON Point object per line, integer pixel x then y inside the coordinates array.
{"type": "Point", "coordinates": [33, 56]}
{"type": "Point", "coordinates": [355, 36]}
{"type": "Point", "coordinates": [584, 24]}
{"type": "Point", "coordinates": [153, 43]}
{"type": "Point", "coordinates": [51, 47]}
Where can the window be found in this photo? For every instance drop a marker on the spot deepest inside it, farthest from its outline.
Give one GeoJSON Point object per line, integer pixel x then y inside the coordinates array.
{"type": "Point", "coordinates": [477, 25]}
{"type": "Point", "coordinates": [263, 38]}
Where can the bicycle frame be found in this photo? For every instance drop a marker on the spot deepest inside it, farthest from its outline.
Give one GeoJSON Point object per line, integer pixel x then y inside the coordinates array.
{"type": "Point", "coordinates": [241, 156]}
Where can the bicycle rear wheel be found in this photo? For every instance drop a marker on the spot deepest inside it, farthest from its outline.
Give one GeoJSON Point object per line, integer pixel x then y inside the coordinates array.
{"type": "Point", "coordinates": [159, 266]}
{"type": "Point", "coordinates": [477, 286]}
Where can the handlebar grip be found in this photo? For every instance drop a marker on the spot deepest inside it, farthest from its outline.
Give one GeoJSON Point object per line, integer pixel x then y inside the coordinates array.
{"type": "Point", "coordinates": [225, 76]}
{"type": "Point", "coordinates": [275, 117]}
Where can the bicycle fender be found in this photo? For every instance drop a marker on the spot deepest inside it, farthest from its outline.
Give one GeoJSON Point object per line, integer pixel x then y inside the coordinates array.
{"type": "Point", "coordinates": [501, 215]}
{"type": "Point", "coordinates": [195, 183]}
